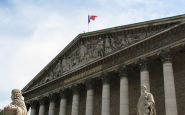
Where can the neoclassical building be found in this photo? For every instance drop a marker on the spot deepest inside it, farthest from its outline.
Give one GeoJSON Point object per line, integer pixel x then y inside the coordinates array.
{"type": "Point", "coordinates": [101, 72]}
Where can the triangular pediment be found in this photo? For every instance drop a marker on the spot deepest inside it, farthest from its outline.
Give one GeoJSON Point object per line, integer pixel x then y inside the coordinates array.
{"type": "Point", "coordinates": [87, 47]}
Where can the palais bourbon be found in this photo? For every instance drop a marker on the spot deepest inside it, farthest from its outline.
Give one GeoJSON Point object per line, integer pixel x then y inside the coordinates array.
{"type": "Point", "coordinates": [101, 72]}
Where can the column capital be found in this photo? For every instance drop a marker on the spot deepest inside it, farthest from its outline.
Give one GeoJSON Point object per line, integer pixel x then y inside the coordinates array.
{"type": "Point", "coordinates": [33, 103]}
{"type": "Point", "coordinates": [63, 93]}
{"type": "Point", "coordinates": [89, 83]}
{"type": "Point", "coordinates": [123, 71]}
{"type": "Point", "coordinates": [42, 100]}
{"type": "Point", "coordinates": [75, 88]}
{"type": "Point", "coordinates": [165, 55]}
{"type": "Point", "coordinates": [105, 77]}
{"type": "Point", "coordinates": [52, 97]}
{"type": "Point", "coordinates": [142, 63]}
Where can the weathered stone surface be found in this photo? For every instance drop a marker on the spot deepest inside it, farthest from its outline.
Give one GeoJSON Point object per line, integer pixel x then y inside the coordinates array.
{"type": "Point", "coordinates": [17, 107]}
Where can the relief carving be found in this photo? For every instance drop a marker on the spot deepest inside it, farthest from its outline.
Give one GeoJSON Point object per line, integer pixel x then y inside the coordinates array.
{"type": "Point", "coordinates": [94, 49]}
{"type": "Point", "coordinates": [170, 39]}
{"type": "Point", "coordinates": [99, 50]}
{"type": "Point", "coordinates": [114, 43]}
{"type": "Point", "coordinates": [49, 77]}
{"type": "Point", "coordinates": [83, 52]}
{"type": "Point", "coordinates": [59, 69]}
{"type": "Point", "coordinates": [108, 48]}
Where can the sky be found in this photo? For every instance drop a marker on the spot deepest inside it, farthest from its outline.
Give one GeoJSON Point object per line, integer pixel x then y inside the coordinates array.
{"type": "Point", "coordinates": [33, 32]}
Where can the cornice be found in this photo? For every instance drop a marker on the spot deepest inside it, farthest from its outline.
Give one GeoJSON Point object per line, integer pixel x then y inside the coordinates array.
{"type": "Point", "coordinates": [100, 32]}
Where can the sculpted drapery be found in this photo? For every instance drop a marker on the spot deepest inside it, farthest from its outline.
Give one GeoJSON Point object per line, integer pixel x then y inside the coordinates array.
{"type": "Point", "coordinates": [146, 103]}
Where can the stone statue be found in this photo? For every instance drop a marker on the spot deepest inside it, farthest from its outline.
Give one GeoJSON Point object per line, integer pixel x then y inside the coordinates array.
{"type": "Point", "coordinates": [90, 52]}
{"type": "Point", "coordinates": [76, 58]}
{"type": "Point", "coordinates": [124, 42]}
{"type": "Point", "coordinates": [114, 44]}
{"type": "Point", "coordinates": [64, 64]}
{"type": "Point", "coordinates": [59, 69]}
{"type": "Point", "coordinates": [83, 51]}
{"type": "Point", "coordinates": [99, 50]}
{"type": "Point", "coordinates": [130, 39]}
{"type": "Point", "coordinates": [107, 46]}
{"type": "Point", "coordinates": [17, 106]}
{"type": "Point", "coordinates": [69, 63]}
{"type": "Point", "coordinates": [146, 103]}
{"type": "Point", "coordinates": [49, 77]}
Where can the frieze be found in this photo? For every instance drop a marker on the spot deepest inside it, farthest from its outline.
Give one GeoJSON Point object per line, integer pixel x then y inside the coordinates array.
{"type": "Point", "coordinates": [89, 51]}
{"type": "Point", "coordinates": [151, 46]}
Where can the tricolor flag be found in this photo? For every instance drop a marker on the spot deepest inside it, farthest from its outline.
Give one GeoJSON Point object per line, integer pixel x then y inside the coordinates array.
{"type": "Point", "coordinates": [91, 17]}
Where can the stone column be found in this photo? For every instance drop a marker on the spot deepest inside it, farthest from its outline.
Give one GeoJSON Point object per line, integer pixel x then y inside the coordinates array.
{"type": "Point", "coordinates": [169, 85]}
{"type": "Point", "coordinates": [42, 101]}
{"type": "Point", "coordinates": [105, 77]}
{"type": "Point", "coordinates": [124, 99]}
{"type": "Point", "coordinates": [144, 73]}
{"type": "Point", "coordinates": [33, 107]}
{"type": "Point", "coordinates": [90, 96]}
{"type": "Point", "coordinates": [75, 104]}
{"type": "Point", "coordinates": [52, 98]}
{"type": "Point", "coordinates": [63, 101]}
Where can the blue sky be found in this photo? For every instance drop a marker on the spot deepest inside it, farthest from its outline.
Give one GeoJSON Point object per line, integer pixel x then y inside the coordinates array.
{"type": "Point", "coordinates": [33, 32]}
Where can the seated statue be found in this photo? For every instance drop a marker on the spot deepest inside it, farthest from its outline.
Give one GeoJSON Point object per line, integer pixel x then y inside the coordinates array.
{"type": "Point", "coordinates": [146, 104]}
{"type": "Point", "coordinates": [17, 106]}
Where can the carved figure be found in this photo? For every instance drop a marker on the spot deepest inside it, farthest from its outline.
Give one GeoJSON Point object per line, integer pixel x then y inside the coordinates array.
{"type": "Point", "coordinates": [107, 46]}
{"type": "Point", "coordinates": [64, 64]}
{"type": "Point", "coordinates": [90, 52]}
{"type": "Point", "coordinates": [76, 58]}
{"type": "Point", "coordinates": [83, 51]}
{"type": "Point", "coordinates": [114, 44]}
{"type": "Point", "coordinates": [50, 76]}
{"type": "Point", "coordinates": [146, 104]}
{"type": "Point", "coordinates": [124, 41]}
{"type": "Point", "coordinates": [59, 69]}
{"type": "Point", "coordinates": [99, 49]}
{"type": "Point", "coordinates": [17, 106]}
{"type": "Point", "coordinates": [69, 63]}
{"type": "Point", "coordinates": [130, 39]}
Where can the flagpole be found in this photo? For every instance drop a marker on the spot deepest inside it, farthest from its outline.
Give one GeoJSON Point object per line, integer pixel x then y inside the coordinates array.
{"type": "Point", "coordinates": [88, 22]}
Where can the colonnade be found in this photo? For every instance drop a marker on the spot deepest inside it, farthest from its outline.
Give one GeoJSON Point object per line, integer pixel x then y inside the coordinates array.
{"type": "Point", "coordinates": [169, 90]}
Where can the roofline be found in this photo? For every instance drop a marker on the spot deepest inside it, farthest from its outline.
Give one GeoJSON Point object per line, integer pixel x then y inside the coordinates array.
{"type": "Point", "coordinates": [110, 30]}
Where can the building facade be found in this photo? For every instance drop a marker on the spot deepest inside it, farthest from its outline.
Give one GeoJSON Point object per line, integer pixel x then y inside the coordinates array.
{"type": "Point", "coordinates": [101, 72]}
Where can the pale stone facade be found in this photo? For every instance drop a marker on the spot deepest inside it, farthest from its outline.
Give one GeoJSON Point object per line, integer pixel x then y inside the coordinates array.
{"type": "Point", "coordinates": [101, 72]}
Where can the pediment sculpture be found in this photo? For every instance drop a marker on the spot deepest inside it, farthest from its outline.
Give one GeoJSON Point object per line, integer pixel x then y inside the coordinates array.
{"type": "Point", "coordinates": [91, 50]}
{"type": "Point", "coordinates": [17, 106]}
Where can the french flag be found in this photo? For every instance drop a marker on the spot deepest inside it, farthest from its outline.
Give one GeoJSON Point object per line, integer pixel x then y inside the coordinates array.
{"type": "Point", "coordinates": [91, 17]}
